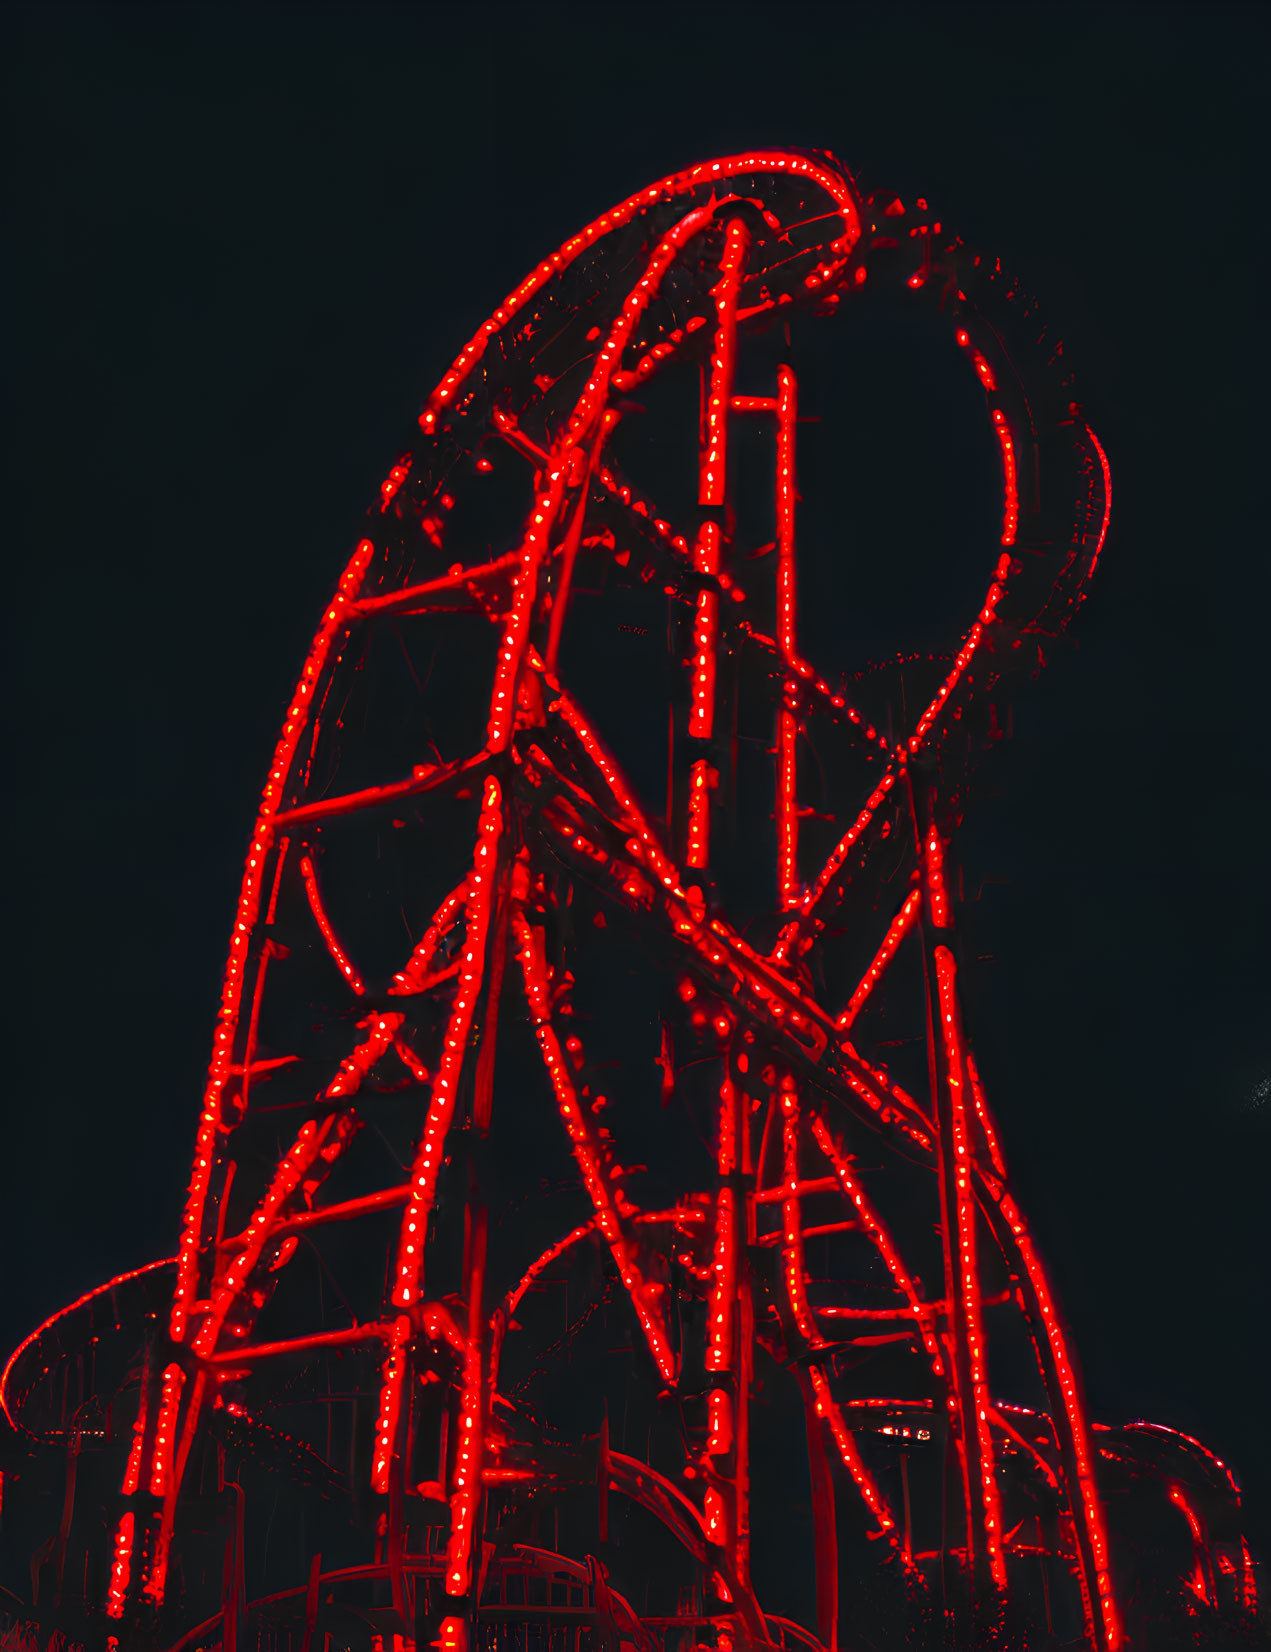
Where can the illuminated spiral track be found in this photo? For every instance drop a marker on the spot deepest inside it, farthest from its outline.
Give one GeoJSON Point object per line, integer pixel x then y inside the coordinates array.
{"type": "Point", "coordinates": [524, 893]}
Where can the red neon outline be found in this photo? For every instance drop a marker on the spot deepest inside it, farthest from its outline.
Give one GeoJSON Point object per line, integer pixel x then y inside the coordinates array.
{"type": "Point", "coordinates": [969, 1280]}
{"type": "Point", "coordinates": [1088, 1492]}
{"type": "Point", "coordinates": [608, 1216]}
{"type": "Point", "coordinates": [677, 183]}
{"type": "Point", "coordinates": [333, 623]}
{"type": "Point", "coordinates": [882, 1240]}
{"type": "Point", "coordinates": [121, 1565]}
{"type": "Point", "coordinates": [392, 1378]}
{"type": "Point", "coordinates": [1107, 498]}
{"type": "Point", "coordinates": [875, 1502]}
{"type": "Point", "coordinates": [1198, 1583]}
{"type": "Point", "coordinates": [428, 1155]}
{"type": "Point", "coordinates": [339, 957]}
{"type": "Point", "coordinates": [899, 927]}
{"type": "Point", "coordinates": [793, 1267]}
{"type": "Point", "coordinates": [45, 1325]}
{"type": "Point", "coordinates": [757, 989]}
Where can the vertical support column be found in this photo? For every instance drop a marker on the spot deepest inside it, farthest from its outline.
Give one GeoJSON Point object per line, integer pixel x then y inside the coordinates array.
{"type": "Point", "coordinates": [788, 716]}
{"type": "Point", "coordinates": [824, 1525]}
{"type": "Point", "coordinates": [722, 1336]}
{"type": "Point", "coordinates": [729, 1341]}
{"type": "Point", "coordinates": [462, 1578]}
{"type": "Point", "coordinates": [1059, 1372]}
{"type": "Point", "coordinates": [792, 1217]}
{"type": "Point", "coordinates": [711, 494]}
{"type": "Point", "coordinates": [785, 404]}
{"type": "Point", "coordinates": [824, 1521]}
{"type": "Point", "coordinates": [969, 1400]}
{"type": "Point", "coordinates": [972, 1327]}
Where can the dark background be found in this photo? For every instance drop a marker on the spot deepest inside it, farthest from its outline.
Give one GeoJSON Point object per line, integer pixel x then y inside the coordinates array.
{"type": "Point", "coordinates": [242, 243]}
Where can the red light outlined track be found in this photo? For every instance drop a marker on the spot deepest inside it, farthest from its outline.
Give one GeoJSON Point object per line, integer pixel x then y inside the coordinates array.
{"type": "Point", "coordinates": [709, 254]}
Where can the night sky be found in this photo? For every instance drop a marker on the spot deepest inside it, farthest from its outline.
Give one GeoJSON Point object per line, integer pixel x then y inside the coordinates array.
{"type": "Point", "coordinates": [242, 244]}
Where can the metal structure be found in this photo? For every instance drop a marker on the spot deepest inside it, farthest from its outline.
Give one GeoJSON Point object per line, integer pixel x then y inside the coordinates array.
{"type": "Point", "coordinates": [558, 1237]}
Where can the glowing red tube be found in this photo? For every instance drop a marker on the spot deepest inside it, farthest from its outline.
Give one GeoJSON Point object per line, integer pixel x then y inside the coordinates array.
{"type": "Point", "coordinates": [516, 438]}
{"type": "Point", "coordinates": [831, 704]}
{"type": "Point", "coordinates": [338, 954]}
{"type": "Point", "coordinates": [902, 1114]}
{"type": "Point", "coordinates": [729, 1354]}
{"type": "Point", "coordinates": [428, 1156]}
{"type": "Point", "coordinates": [701, 712]}
{"type": "Point", "coordinates": [781, 1001]}
{"type": "Point", "coordinates": [844, 1440]}
{"type": "Point", "coordinates": [544, 1261]}
{"type": "Point", "coordinates": [792, 1219]}
{"type": "Point", "coordinates": [787, 718]}
{"type": "Point", "coordinates": [679, 1216]}
{"type": "Point", "coordinates": [1107, 498]}
{"type": "Point", "coordinates": [805, 1187]}
{"type": "Point", "coordinates": [70, 1308]}
{"type": "Point", "coordinates": [516, 630]}
{"type": "Point", "coordinates": [165, 1430]}
{"type": "Point", "coordinates": [547, 506]}
{"type": "Point", "coordinates": [465, 1491]}
{"type": "Point", "coordinates": [1010, 522]}
{"type": "Point", "coordinates": [157, 1579]}
{"type": "Point", "coordinates": [346, 1337]}
{"type": "Point", "coordinates": [652, 359]}
{"type": "Point", "coordinates": [1078, 1431]}
{"type": "Point", "coordinates": [714, 172]}
{"type": "Point", "coordinates": [413, 595]}
{"type": "Point", "coordinates": [843, 847]}
{"type": "Point", "coordinates": [132, 1470]}
{"type": "Point", "coordinates": [121, 1565]}
{"type": "Point", "coordinates": [787, 804]}
{"type": "Point", "coordinates": [414, 972]}
{"type": "Point", "coordinates": [1196, 1445]}
{"type": "Point", "coordinates": [659, 862]}
{"type": "Point", "coordinates": [969, 1280]}
{"type": "Point", "coordinates": [392, 1379]}
{"type": "Point", "coordinates": [425, 777]}
{"type": "Point", "coordinates": [587, 1152]}
{"type": "Point", "coordinates": [877, 1231]}
{"type": "Point", "coordinates": [963, 658]}
{"type": "Point", "coordinates": [311, 1141]}
{"type": "Point", "coordinates": [334, 621]}
{"type": "Point", "coordinates": [153, 1586]}
{"type": "Point", "coordinates": [1199, 1582]}
{"type": "Point", "coordinates": [1048, 1474]}
{"type": "Point", "coordinates": [393, 481]}
{"type": "Point", "coordinates": [382, 1031]}
{"type": "Point", "coordinates": [346, 1210]}
{"type": "Point", "coordinates": [452, 1635]}
{"type": "Point", "coordinates": [1248, 1579]}
{"type": "Point", "coordinates": [702, 781]}
{"type": "Point", "coordinates": [712, 471]}
{"type": "Point", "coordinates": [984, 1116]}
{"type": "Point", "coordinates": [719, 1423]}
{"type": "Point", "coordinates": [440, 1326]}
{"type": "Point", "coordinates": [937, 894]}
{"type": "Point", "coordinates": [712, 460]}
{"type": "Point", "coordinates": [899, 927]}
{"type": "Point", "coordinates": [609, 357]}
{"type": "Point", "coordinates": [567, 551]}
{"type": "Point", "coordinates": [723, 1301]}
{"type": "Point", "coordinates": [716, 1521]}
